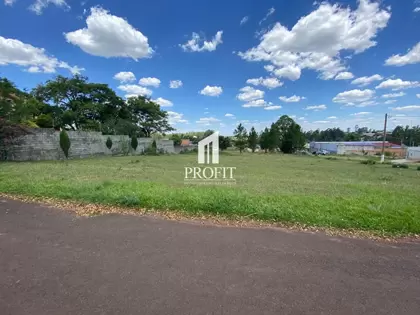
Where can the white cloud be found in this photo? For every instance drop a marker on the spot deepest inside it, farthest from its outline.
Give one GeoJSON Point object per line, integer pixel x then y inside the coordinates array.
{"type": "Point", "coordinates": [291, 99]}
{"type": "Point", "coordinates": [333, 28]}
{"type": "Point", "coordinates": [229, 115]}
{"type": "Point", "coordinates": [407, 108]}
{"type": "Point", "coordinates": [321, 122]}
{"type": "Point", "coordinates": [289, 72]}
{"type": "Point", "coordinates": [397, 84]}
{"type": "Point", "coordinates": [363, 81]}
{"type": "Point", "coordinates": [125, 77]}
{"type": "Point", "coordinates": [316, 108]}
{"type": "Point", "coordinates": [249, 94]}
{"type": "Point", "coordinates": [134, 90]}
{"type": "Point", "coordinates": [244, 20]}
{"type": "Point", "coordinates": [175, 118]}
{"type": "Point", "coordinates": [269, 68]}
{"type": "Point", "coordinates": [388, 102]}
{"type": "Point", "coordinates": [155, 82]}
{"type": "Point", "coordinates": [418, 95]}
{"type": "Point", "coordinates": [272, 107]}
{"type": "Point", "coordinates": [354, 96]}
{"type": "Point", "coordinates": [416, 10]}
{"type": "Point", "coordinates": [331, 117]}
{"type": "Point", "coordinates": [392, 95]}
{"type": "Point", "coordinates": [39, 5]}
{"type": "Point", "coordinates": [270, 83]}
{"type": "Point", "coordinates": [344, 76]}
{"type": "Point", "coordinates": [411, 57]}
{"type": "Point", "coordinates": [211, 90]}
{"type": "Point", "coordinates": [361, 114]}
{"type": "Point", "coordinates": [193, 45]}
{"type": "Point", "coordinates": [108, 36]}
{"type": "Point", "coordinates": [270, 12]}
{"type": "Point", "coordinates": [15, 52]}
{"type": "Point", "coordinates": [255, 103]}
{"type": "Point", "coordinates": [175, 84]}
{"type": "Point", "coordinates": [9, 2]}
{"type": "Point", "coordinates": [163, 102]}
{"type": "Point", "coordinates": [207, 120]}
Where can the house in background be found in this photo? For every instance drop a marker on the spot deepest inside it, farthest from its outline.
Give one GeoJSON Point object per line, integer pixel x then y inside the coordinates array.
{"type": "Point", "coordinates": [413, 153]}
{"type": "Point", "coordinates": [358, 147]}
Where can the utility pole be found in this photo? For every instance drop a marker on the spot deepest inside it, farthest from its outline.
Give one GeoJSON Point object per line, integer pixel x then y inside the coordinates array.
{"type": "Point", "coordinates": [384, 139]}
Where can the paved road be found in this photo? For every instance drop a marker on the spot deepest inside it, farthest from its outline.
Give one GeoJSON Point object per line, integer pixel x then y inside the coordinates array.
{"type": "Point", "coordinates": [52, 262]}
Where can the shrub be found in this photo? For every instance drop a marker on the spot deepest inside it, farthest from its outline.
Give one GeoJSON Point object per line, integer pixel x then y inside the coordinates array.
{"type": "Point", "coordinates": [134, 143]}
{"type": "Point", "coordinates": [418, 168]}
{"type": "Point", "coordinates": [108, 143]}
{"type": "Point", "coordinates": [65, 143]}
{"type": "Point", "coordinates": [399, 166]}
{"type": "Point", "coordinates": [368, 162]}
{"type": "Point", "coordinates": [332, 158]}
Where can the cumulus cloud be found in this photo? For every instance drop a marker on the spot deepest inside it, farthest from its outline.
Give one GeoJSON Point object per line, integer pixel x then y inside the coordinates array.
{"type": "Point", "coordinates": [176, 118]}
{"type": "Point", "coordinates": [124, 77]}
{"type": "Point", "coordinates": [411, 57]}
{"type": "Point", "coordinates": [163, 102]}
{"type": "Point", "coordinates": [211, 90]}
{"type": "Point", "coordinates": [39, 5]}
{"type": "Point", "coordinates": [407, 108]}
{"type": "Point", "coordinates": [316, 107]}
{"type": "Point", "coordinates": [229, 115]}
{"type": "Point", "coordinates": [207, 120]}
{"type": "Point", "coordinates": [9, 2]}
{"type": "Point", "coordinates": [248, 93]}
{"type": "Point", "coordinates": [155, 82]}
{"type": "Point", "coordinates": [108, 36]}
{"type": "Point", "coordinates": [361, 114]}
{"type": "Point", "coordinates": [333, 28]}
{"type": "Point", "coordinates": [289, 72]}
{"type": "Point", "coordinates": [418, 95]}
{"type": "Point", "coordinates": [363, 81]}
{"type": "Point", "coordinates": [344, 76]}
{"type": "Point", "coordinates": [416, 10]}
{"type": "Point", "coordinates": [390, 102]}
{"type": "Point", "coordinates": [398, 84]}
{"type": "Point", "coordinates": [244, 20]}
{"type": "Point", "coordinates": [353, 97]}
{"type": "Point", "coordinates": [272, 107]}
{"type": "Point", "coordinates": [15, 52]}
{"type": "Point", "coordinates": [291, 99]}
{"type": "Point", "coordinates": [270, 83]}
{"type": "Point", "coordinates": [193, 45]}
{"type": "Point", "coordinates": [255, 103]}
{"type": "Point", "coordinates": [175, 84]}
{"type": "Point", "coordinates": [392, 95]}
{"type": "Point", "coordinates": [331, 117]}
{"type": "Point", "coordinates": [134, 90]}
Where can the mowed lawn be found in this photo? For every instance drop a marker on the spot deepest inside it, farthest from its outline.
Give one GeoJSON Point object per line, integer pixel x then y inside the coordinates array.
{"type": "Point", "coordinates": [277, 188]}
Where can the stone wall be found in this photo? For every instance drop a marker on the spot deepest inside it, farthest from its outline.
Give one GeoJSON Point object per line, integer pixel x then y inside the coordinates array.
{"type": "Point", "coordinates": [44, 144]}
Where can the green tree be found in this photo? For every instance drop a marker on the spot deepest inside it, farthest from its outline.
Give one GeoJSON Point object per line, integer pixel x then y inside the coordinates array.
{"type": "Point", "coordinates": [134, 142]}
{"type": "Point", "coordinates": [108, 143]}
{"type": "Point", "coordinates": [176, 138]}
{"type": "Point", "coordinates": [65, 143]}
{"type": "Point", "coordinates": [252, 139]}
{"type": "Point", "coordinates": [265, 140]}
{"type": "Point", "coordinates": [148, 116]}
{"type": "Point", "coordinates": [241, 138]}
{"type": "Point", "coordinates": [224, 143]}
{"type": "Point", "coordinates": [289, 135]}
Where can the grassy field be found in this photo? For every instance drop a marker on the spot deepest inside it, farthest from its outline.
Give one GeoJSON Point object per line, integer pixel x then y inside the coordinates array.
{"type": "Point", "coordinates": [308, 190]}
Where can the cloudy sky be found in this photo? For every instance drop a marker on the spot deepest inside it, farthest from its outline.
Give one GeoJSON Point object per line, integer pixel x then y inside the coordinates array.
{"type": "Point", "coordinates": [213, 64]}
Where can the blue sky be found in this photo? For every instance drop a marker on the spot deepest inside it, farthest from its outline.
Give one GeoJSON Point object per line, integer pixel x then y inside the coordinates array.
{"type": "Point", "coordinates": [326, 64]}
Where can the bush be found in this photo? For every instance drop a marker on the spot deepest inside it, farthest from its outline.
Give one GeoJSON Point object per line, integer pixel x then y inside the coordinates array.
{"type": "Point", "coordinates": [418, 168]}
{"type": "Point", "coordinates": [108, 143]}
{"type": "Point", "coordinates": [331, 158]}
{"type": "Point", "coordinates": [65, 143]}
{"type": "Point", "coordinates": [399, 166]}
{"type": "Point", "coordinates": [134, 143]}
{"type": "Point", "coordinates": [368, 162]}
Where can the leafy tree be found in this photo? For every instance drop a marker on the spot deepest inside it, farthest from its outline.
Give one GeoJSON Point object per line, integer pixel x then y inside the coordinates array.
{"type": "Point", "coordinates": [265, 140]}
{"type": "Point", "coordinates": [207, 133]}
{"type": "Point", "coordinates": [134, 142]}
{"type": "Point", "coordinates": [45, 121]}
{"type": "Point", "coordinates": [65, 143]}
{"type": "Point", "coordinates": [148, 116]}
{"type": "Point", "coordinates": [252, 139]}
{"type": "Point", "coordinates": [241, 138]}
{"type": "Point", "coordinates": [224, 143]}
{"type": "Point", "coordinates": [289, 135]}
{"type": "Point", "coordinates": [176, 138]}
{"type": "Point", "coordinates": [108, 143]}
{"type": "Point", "coordinates": [274, 139]}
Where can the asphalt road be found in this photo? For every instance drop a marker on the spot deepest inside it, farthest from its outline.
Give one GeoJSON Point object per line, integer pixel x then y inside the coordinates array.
{"type": "Point", "coordinates": [52, 262]}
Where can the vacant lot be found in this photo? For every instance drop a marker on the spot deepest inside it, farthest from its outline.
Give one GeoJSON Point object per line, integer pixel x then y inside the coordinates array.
{"type": "Point", "coordinates": [309, 190]}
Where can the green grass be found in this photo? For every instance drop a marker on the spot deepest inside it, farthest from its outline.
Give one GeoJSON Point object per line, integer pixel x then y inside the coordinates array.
{"type": "Point", "coordinates": [277, 188]}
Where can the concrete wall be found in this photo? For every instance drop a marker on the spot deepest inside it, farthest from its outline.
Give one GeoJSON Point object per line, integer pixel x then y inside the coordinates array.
{"type": "Point", "coordinates": [43, 144]}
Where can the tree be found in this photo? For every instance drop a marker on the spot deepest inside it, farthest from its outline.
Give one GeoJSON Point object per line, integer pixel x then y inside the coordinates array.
{"type": "Point", "coordinates": [265, 140]}
{"type": "Point", "coordinates": [10, 134]}
{"type": "Point", "coordinates": [65, 143]}
{"type": "Point", "coordinates": [241, 138]}
{"type": "Point", "coordinates": [224, 143]}
{"type": "Point", "coordinates": [134, 142]}
{"type": "Point", "coordinates": [252, 139]}
{"type": "Point", "coordinates": [148, 116]}
{"type": "Point", "coordinates": [108, 143]}
{"type": "Point", "coordinates": [289, 134]}
{"type": "Point", "coordinates": [176, 138]}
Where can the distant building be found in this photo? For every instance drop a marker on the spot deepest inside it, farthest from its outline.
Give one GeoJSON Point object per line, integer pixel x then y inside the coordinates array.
{"type": "Point", "coordinates": [357, 147]}
{"type": "Point", "coordinates": [413, 153]}
{"type": "Point", "coordinates": [186, 143]}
